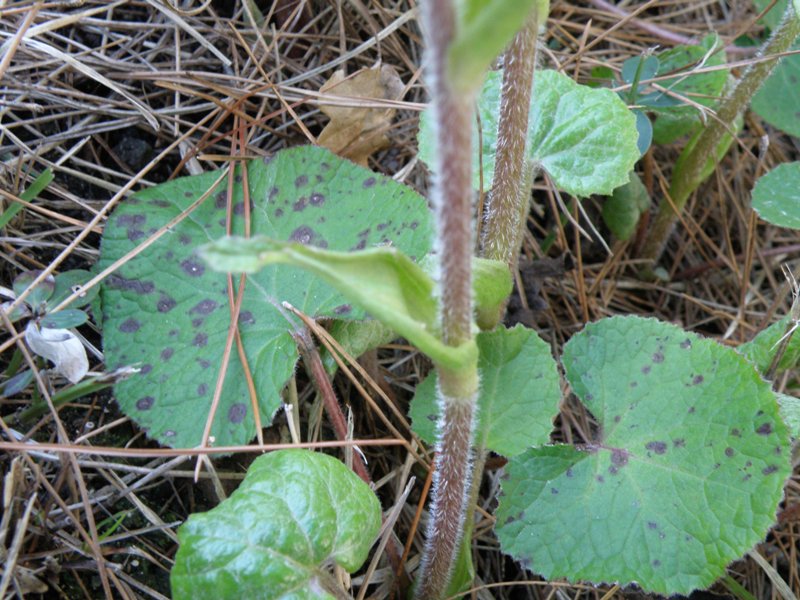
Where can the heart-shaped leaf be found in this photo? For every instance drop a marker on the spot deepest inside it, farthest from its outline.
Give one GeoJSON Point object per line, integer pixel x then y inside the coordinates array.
{"type": "Point", "coordinates": [168, 313]}
{"type": "Point", "coordinates": [65, 319]}
{"type": "Point", "coordinates": [584, 138]}
{"type": "Point", "coordinates": [295, 513]}
{"type": "Point", "coordinates": [776, 196]}
{"type": "Point", "coordinates": [518, 398]}
{"type": "Point", "coordinates": [684, 475]}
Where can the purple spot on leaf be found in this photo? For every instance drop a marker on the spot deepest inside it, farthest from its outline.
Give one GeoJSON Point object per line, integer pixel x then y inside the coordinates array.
{"type": "Point", "coordinates": [300, 205]}
{"type": "Point", "coordinates": [652, 525]}
{"type": "Point", "coordinates": [193, 268]}
{"type": "Point", "coordinates": [369, 182]}
{"type": "Point", "coordinates": [729, 452]}
{"type": "Point", "coordinates": [204, 307]}
{"type": "Point", "coordinates": [145, 403]}
{"type": "Point", "coordinates": [204, 364]}
{"type": "Point", "coordinates": [202, 389]}
{"type": "Point", "coordinates": [619, 457]}
{"type": "Point", "coordinates": [769, 470]}
{"type": "Point", "coordinates": [317, 199]}
{"type": "Point", "coordinates": [646, 369]}
{"type": "Point", "coordinates": [130, 325]}
{"type": "Point", "coordinates": [697, 379]}
{"type": "Point", "coordinates": [679, 443]}
{"type": "Point", "coordinates": [200, 340]}
{"type": "Point", "coordinates": [184, 239]}
{"type": "Point", "coordinates": [764, 429]}
{"type": "Point", "coordinates": [237, 412]}
{"type": "Point", "coordinates": [165, 303]}
{"type": "Point", "coordinates": [130, 285]}
{"type": "Point", "coordinates": [301, 181]}
{"type": "Point", "coordinates": [221, 199]}
{"type": "Point", "coordinates": [146, 369]}
{"type": "Point", "coordinates": [167, 353]}
{"type": "Point", "coordinates": [657, 447]}
{"type": "Point", "coordinates": [687, 343]}
{"type": "Point", "coordinates": [246, 318]}
{"type": "Point", "coordinates": [658, 357]}
{"type": "Point", "coordinates": [343, 309]}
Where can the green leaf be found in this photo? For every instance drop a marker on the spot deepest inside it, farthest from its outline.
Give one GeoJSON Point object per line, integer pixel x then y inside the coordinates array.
{"type": "Point", "coordinates": [66, 284]}
{"type": "Point", "coordinates": [167, 312]}
{"type": "Point", "coordinates": [790, 411]}
{"type": "Point", "coordinates": [703, 88]}
{"type": "Point", "coordinates": [518, 398]}
{"type": "Point", "coordinates": [356, 337]}
{"type": "Point", "coordinates": [776, 196]}
{"type": "Point", "coordinates": [684, 475]}
{"type": "Point", "coordinates": [623, 209]}
{"type": "Point", "coordinates": [34, 189]}
{"type": "Point", "coordinates": [485, 28]}
{"type": "Point", "coordinates": [761, 349]}
{"type": "Point", "coordinates": [644, 129]}
{"type": "Point", "coordinates": [639, 68]}
{"type": "Point", "coordinates": [40, 294]}
{"type": "Point", "coordinates": [382, 281]}
{"type": "Point", "coordinates": [585, 138]}
{"type": "Point", "coordinates": [65, 319]}
{"type": "Point", "coordinates": [295, 513]}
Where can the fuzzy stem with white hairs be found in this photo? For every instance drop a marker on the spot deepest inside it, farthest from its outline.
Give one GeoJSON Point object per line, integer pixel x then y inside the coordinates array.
{"type": "Point", "coordinates": [452, 196]}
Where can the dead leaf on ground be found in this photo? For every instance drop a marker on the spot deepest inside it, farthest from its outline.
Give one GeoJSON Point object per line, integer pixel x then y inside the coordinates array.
{"type": "Point", "coordinates": [355, 132]}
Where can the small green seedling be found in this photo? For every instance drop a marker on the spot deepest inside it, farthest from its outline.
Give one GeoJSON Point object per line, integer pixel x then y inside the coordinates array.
{"type": "Point", "coordinates": [47, 333]}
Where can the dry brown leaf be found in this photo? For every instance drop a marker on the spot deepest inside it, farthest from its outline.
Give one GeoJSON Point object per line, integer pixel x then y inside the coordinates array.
{"type": "Point", "coordinates": [355, 132]}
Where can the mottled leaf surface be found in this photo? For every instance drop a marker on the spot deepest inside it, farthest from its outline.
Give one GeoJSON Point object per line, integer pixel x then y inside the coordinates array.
{"type": "Point", "coordinates": [295, 513]}
{"type": "Point", "coordinates": [168, 312]}
{"type": "Point", "coordinates": [584, 138]}
{"type": "Point", "coordinates": [776, 196]}
{"type": "Point", "coordinates": [519, 393]}
{"type": "Point", "coordinates": [683, 476]}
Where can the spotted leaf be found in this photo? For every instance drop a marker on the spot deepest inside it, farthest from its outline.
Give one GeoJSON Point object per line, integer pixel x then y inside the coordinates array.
{"type": "Point", "coordinates": [168, 313]}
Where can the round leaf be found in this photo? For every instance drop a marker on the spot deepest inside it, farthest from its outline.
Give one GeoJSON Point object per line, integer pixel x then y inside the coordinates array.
{"type": "Point", "coordinates": [684, 476]}
{"type": "Point", "coordinates": [168, 312]}
{"type": "Point", "coordinates": [586, 139]}
{"type": "Point", "coordinates": [295, 513]}
{"type": "Point", "coordinates": [40, 294]}
{"type": "Point", "coordinates": [518, 398]}
{"type": "Point", "coordinates": [776, 196]}
{"type": "Point", "coordinates": [67, 283]}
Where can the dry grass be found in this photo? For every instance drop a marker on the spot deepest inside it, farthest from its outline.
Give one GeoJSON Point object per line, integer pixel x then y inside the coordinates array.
{"type": "Point", "coordinates": [117, 96]}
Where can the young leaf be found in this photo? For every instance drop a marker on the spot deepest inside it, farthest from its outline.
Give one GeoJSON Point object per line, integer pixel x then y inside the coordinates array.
{"type": "Point", "coordinates": [485, 27]}
{"type": "Point", "coordinates": [585, 138]}
{"type": "Point", "coordinates": [623, 209]}
{"type": "Point", "coordinates": [40, 294]}
{"type": "Point", "coordinates": [519, 393]}
{"type": "Point", "coordinates": [382, 281]}
{"type": "Point", "coordinates": [294, 514]}
{"type": "Point", "coordinates": [684, 475]}
{"type": "Point", "coordinates": [67, 282]}
{"type": "Point", "coordinates": [776, 196]}
{"type": "Point", "coordinates": [761, 349]}
{"type": "Point", "coordinates": [65, 319]}
{"type": "Point", "coordinates": [168, 313]}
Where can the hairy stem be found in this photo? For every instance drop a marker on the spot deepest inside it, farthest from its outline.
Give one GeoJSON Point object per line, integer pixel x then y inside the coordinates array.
{"type": "Point", "coordinates": [692, 167]}
{"type": "Point", "coordinates": [507, 204]}
{"type": "Point", "coordinates": [452, 201]}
